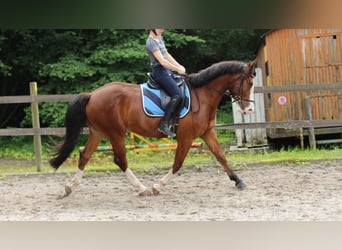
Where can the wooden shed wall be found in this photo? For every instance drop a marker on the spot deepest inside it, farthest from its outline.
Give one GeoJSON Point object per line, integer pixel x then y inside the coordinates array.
{"type": "Point", "coordinates": [306, 57]}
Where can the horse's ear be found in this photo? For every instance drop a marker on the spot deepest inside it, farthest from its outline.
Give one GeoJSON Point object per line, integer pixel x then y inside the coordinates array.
{"type": "Point", "coordinates": [251, 68]}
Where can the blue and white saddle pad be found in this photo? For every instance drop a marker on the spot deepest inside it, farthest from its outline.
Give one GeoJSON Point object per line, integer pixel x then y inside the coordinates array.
{"type": "Point", "coordinates": [151, 100]}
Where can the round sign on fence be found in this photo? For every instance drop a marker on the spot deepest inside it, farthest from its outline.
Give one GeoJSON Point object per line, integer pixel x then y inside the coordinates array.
{"type": "Point", "coordinates": [282, 100]}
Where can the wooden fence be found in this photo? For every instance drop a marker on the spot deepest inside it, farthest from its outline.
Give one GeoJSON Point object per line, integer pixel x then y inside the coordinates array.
{"type": "Point", "coordinates": [37, 132]}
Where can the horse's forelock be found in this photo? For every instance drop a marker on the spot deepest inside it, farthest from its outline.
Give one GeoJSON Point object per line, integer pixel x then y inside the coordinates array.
{"type": "Point", "coordinates": [206, 75]}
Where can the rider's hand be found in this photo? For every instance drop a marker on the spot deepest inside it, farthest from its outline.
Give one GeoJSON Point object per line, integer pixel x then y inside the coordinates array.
{"type": "Point", "coordinates": [181, 70]}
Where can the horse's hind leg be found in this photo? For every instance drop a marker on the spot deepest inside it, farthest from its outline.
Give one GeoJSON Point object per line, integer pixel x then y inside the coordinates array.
{"type": "Point", "coordinates": [119, 150]}
{"type": "Point", "coordinates": [92, 143]}
{"type": "Point", "coordinates": [211, 140]}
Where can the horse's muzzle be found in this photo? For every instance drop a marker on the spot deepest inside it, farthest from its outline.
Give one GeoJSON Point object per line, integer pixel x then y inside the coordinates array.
{"type": "Point", "coordinates": [246, 110]}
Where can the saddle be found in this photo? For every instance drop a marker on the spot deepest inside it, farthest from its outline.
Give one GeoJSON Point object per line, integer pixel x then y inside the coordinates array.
{"type": "Point", "coordinates": [165, 97]}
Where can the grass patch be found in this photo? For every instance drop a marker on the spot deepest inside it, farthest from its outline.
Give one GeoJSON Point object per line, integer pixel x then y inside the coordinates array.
{"type": "Point", "coordinates": [150, 162]}
{"type": "Point", "coordinates": [292, 155]}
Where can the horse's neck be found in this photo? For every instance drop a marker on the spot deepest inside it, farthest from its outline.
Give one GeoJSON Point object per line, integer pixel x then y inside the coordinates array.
{"type": "Point", "coordinates": [210, 95]}
{"type": "Point", "coordinates": [205, 99]}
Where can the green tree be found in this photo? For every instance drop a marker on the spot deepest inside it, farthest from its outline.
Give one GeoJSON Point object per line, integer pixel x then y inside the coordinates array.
{"type": "Point", "coordinates": [72, 61]}
{"type": "Point", "coordinates": [93, 58]}
{"type": "Point", "coordinates": [220, 45]}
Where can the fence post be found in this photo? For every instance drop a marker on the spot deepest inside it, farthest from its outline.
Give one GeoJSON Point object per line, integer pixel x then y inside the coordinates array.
{"type": "Point", "coordinates": [312, 139]}
{"type": "Point", "coordinates": [301, 137]}
{"type": "Point", "coordinates": [36, 126]}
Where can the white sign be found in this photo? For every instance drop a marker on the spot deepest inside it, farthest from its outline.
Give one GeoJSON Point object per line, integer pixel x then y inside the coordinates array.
{"type": "Point", "coordinates": [282, 100]}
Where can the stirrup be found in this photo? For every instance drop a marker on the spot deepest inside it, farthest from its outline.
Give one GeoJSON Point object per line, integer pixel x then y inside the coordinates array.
{"type": "Point", "coordinates": [167, 132]}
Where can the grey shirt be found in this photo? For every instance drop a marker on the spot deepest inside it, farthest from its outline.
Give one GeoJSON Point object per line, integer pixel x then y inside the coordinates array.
{"type": "Point", "coordinates": [153, 45]}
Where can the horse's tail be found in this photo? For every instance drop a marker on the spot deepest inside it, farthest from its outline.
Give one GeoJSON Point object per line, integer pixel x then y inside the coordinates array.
{"type": "Point", "coordinates": [75, 119]}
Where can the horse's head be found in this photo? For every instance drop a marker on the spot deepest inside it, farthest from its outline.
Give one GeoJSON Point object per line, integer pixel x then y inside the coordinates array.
{"type": "Point", "coordinates": [243, 90]}
{"type": "Point", "coordinates": [228, 77]}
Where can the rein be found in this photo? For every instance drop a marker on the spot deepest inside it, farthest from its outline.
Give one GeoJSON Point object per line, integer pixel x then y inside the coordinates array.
{"type": "Point", "coordinates": [220, 92]}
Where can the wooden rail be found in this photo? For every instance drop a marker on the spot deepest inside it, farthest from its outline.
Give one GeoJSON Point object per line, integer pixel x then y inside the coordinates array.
{"type": "Point", "coordinates": [286, 125]}
{"type": "Point", "coordinates": [298, 87]}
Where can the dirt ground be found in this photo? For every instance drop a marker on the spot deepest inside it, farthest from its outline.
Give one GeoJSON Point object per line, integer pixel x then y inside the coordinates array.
{"type": "Point", "coordinates": [281, 192]}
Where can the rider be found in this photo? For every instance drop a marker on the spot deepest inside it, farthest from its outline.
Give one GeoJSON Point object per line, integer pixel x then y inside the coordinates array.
{"type": "Point", "coordinates": [162, 63]}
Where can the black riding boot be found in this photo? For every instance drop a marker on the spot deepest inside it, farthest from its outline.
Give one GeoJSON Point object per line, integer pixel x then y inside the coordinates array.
{"type": "Point", "coordinates": [171, 108]}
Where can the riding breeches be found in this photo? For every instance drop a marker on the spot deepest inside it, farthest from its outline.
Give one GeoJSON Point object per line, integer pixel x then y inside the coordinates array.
{"type": "Point", "coordinates": [164, 77]}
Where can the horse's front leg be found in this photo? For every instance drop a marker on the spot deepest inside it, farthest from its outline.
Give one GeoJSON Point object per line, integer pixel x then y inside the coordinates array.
{"type": "Point", "coordinates": [211, 140]}
{"type": "Point", "coordinates": [136, 183]}
{"type": "Point", "coordinates": [181, 151]}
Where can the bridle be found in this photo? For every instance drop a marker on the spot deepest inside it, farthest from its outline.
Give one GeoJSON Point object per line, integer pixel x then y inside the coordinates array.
{"type": "Point", "coordinates": [237, 98]}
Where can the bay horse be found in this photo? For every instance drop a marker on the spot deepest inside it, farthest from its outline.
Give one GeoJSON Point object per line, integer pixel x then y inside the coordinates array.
{"type": "Point", "coordinates": [115, 108]}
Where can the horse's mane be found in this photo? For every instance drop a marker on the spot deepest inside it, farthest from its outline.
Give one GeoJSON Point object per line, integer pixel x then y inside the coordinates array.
{"type": "Point", "coordinates": [206, 75]}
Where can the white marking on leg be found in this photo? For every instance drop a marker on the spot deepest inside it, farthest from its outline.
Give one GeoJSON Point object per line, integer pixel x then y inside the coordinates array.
{"type": "Point", "coordinates": [77, 178]}
{"type": "Point", "coordinates": [134, 180]}
{"type": "Point", "coordinates": [75, 181]}
{"type": "Point", "coordinates": [164, 181]}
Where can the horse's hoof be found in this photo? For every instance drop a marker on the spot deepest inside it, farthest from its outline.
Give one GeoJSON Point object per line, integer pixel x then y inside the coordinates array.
{"type": "Point", "coordinates": [155, 190]}
{"type": "Point", "coordinates": [240, 185]}
{"type": "Point", "coordinates": [68, 191]}
{"type": "Point", "coordinates": [145, 193]}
